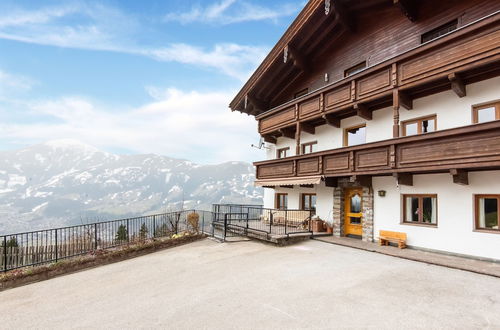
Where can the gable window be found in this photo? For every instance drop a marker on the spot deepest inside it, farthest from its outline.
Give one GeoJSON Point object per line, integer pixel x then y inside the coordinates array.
{"type": "Point", "coordinates": [355, 135]}
{"type": "Point", "coordinates": [281, 201]}
{"type": "Point", "coordinates": [420, 209]}
{"type": "Point", "coordinates": [419, 125]}
{"type": "Point", "coordinates": [487, 216]}
{"type": "Point", "coordinates": [308, 202]}
{"type": "Point", "coordinates": [282, 153]}
{"type": "Point", "coordinates": [486, 112]}
{"type": "Point", "coordinates": [301, 93]}
{"type": "Point", "coordinates": [355, 69]}
{"type": "Point", "coordinates": [309, 147]}
{"type": "Point", "coordinates": [439, 31]}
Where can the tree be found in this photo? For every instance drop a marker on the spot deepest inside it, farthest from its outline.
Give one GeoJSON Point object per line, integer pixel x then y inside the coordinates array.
{"type": "Point", "coordinates": [143, 232]}
{"type": "Point", "coordinates": [11, 242]}
{"type": "Point", "coordinates": [122, 233]}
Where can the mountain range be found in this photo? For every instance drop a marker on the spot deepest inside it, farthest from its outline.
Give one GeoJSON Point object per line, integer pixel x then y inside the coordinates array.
{"type": "Point", "coordinates": [65, 182]}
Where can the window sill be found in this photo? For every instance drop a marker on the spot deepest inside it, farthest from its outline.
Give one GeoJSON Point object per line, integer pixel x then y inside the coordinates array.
{"type": "Point", "coordinates": [487, 231]}
{"type": "Point", "coordinates": [419, 224]}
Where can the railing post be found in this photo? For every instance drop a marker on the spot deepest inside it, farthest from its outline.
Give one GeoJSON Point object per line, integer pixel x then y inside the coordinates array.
{"type": "Point", "coordinates": [56, 246]}
{"type": "Point", "coordinates": [310, 217]}
{"type": "Point", "coordinates": [286, 219]}
{"type": "Point", "coordinates": [270, 221]}
{"type": "Point", "coordinates": [5, 253]}
{"type": "Point", "coordinates": [128, 233]}
{"type": "Point", "coordinates": [225, 226]}
{"type": "Point", "coordinates": [154, 226]}
{"type": "Point", "coordinates": [95, 236]}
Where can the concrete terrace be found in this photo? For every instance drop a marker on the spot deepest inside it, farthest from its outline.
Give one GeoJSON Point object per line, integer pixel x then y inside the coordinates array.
{"type": "Point", "coordinates": [253, 285]}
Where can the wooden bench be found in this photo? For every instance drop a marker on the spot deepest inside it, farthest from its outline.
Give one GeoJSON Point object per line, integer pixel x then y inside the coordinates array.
{"type": "Point", "coordinates": [386, 236]}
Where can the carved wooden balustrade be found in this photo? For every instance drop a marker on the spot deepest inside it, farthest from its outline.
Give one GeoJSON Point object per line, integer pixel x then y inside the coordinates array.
{"type": "Point", "coordinates": [455, 150]}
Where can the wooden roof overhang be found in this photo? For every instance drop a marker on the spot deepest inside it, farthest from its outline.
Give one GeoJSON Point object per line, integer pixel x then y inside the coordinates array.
{"type": "Point", "coordinates": [318, 26]}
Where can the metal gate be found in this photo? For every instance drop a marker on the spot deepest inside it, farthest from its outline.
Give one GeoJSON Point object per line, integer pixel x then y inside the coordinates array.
{"type": "Point", "coordinates": [225, 225]}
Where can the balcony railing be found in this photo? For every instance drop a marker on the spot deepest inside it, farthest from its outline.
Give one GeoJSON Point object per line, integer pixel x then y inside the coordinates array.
{"type": "Point", "coordinates": [418, 71]}
{"type": "Point", "coordinates": [469, 147]}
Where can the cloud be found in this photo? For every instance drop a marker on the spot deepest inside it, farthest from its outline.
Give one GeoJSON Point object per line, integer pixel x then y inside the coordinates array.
{"type": "Point", "coordinates": [232, 11]}
{"type": "Point", "coordinates": [186, 124]}
{"type": "Point", "coordinates": [14, 84]}
{"type": "Point", "coordinates": [103, 28]}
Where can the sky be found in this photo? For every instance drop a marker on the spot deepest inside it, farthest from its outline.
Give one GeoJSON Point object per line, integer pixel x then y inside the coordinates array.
{"type": "Point", "coordinates": [130, 77]}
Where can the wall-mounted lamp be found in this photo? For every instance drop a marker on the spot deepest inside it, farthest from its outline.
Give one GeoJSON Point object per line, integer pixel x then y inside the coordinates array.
{"type": "Point", "coordinates": [381, 193]}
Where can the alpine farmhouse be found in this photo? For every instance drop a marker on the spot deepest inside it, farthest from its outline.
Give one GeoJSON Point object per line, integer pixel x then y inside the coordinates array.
{"type": "Point", "coordinates": [385, 115]}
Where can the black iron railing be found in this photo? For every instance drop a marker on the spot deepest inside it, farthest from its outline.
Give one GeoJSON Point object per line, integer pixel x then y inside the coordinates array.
{"type": "Point", "coordinates": [242, 219]}
{"type": "Point", "coordinates": [44, 246]}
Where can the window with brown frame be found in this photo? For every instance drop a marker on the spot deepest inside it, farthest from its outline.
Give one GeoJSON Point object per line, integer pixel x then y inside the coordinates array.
{"type": "Point", "coordinates": [355, 69]}
{"type": "Point", "coordinates": [282, 153]}
{"type": "Point", "coordinates": [485, 112]}
{"type": "Point", "coordinates": [308, 202]}
{"type": "Point", "coordinates": [419, 125]}
{"type": "Point", "coordinates": [487, 216]}
{"type": "Point", "coordinates": [307, 148]}
{"type": "Point", "coordinates": [301, 93]}
{"type": "Point", "coordinates": [420, 209]}
{"type": "Point", "coordinates": [281, 201]}
{"type": "Point", "coordinates": [355, 135]}
{"type": "Point", "coordinates": [439, 31]}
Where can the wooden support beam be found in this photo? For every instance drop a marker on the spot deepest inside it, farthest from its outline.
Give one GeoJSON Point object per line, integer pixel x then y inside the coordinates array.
{"type": "Point", "coordinates": [259, 105]}
{"type": "Point", "coordinates": [405, 100]}
{"type": "Point", "coordinates": [331, 182]}
{"type": "Point", "coordinates": [408, 8]}
{"type": "Point", "coordinates": [395, 113]}
{"type": "Point", "coordinates": [332, 120]}
{"type": "Point", "coordinates": [287, 132]}
{"type": "Point", "coordinates": [269, 139]}
{"type": "Point", "coordinates": [287, 186]}
{"type": "Point", "coordinates": [363, 112]}
{"type": "Point", "coordinates": [269, 187]}
{"type": "Point", "coordinates": [308, 128]}
{"type": "Point", "coordinates": [460, 176]}
{"type": "Point", "coordinates": [307, 185]}
{"type": "Point", "coordinates": [457, 85]}
{"type": "Point", "coordinates": [299, 60]}
{"type": "Point", "coordinates": [362, 180]}
{"type": "Point", "coordinates": [405, 179]}
{"type": "Point", "coordinates": [343, 16]}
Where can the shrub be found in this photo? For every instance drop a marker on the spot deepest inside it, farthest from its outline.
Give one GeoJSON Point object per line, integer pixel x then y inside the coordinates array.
{"type": "Point", "coordinates": [143, 232]}
{"type": "Point", "coordinates": [122, 233]}
{"type": "Point", "coordinates": [193, 220]}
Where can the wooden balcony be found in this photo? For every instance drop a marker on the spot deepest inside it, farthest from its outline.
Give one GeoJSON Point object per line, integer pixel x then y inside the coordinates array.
{"type": "Point", "coordinates": [467, 55]}
{"type": "Point", "coordinates": [457, 150]}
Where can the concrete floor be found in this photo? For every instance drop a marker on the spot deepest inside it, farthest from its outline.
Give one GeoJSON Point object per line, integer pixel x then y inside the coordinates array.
{"type": "Point", "coordinates": [253, 285]}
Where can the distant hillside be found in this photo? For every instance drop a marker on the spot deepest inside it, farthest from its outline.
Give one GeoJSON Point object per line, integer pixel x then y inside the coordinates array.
{"type": "Point", "coordinates": [66, 182]}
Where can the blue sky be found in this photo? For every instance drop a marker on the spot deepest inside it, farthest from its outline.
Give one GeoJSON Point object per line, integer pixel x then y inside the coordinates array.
{"type": "Point", "coordinates": [135, 76]}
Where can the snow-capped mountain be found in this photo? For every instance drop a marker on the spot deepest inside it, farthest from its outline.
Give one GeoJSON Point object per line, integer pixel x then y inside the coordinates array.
{"type": "Point", "coordinates": [65, 182]}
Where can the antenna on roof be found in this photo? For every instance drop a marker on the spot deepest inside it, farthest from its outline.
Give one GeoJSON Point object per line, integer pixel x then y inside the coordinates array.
{"type": "Point", "coordinates": [261, 145]}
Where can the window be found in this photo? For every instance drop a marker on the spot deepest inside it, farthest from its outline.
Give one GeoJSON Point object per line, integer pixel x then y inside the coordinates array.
{"type": "Point", "coordinates": [439, 31]}
{"type": "Point", "coordinates": [308, 202]}
{"type": "Point", "coordinates": [281, 201]}
{"type": "Point", "coordinates": [487, 216]}
{"type": "Point", "coordinates": [486, 112]}
{"type": "Point", "coordinates": [419, 126]}
{"type": "Point", "coordinates": [309, 147]}
{"type": "Point", "coordinates": [355, 135]}
{"type": "Point", "coordinates": [420, 209]}
{"type": "Point", "coordinates": [301, 93]}
{"type": "Point", "coordinates": [355, 69]}
{"type": "Point", "coordinates": [282, 153]}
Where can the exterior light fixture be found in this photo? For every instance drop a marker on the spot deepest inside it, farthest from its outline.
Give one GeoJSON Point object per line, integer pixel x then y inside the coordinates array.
{"type": "Point", "coordinates": [381, 193]}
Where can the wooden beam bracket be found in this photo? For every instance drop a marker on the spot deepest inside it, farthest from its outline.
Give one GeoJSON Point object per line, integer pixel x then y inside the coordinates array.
{"type": "Point", "coordinates": [331, 182]}
{"type": "Point", "coordinates": [405, 179]}
{"type": "Point", "coordinates": [457, 85]}
{"type": "Point", "coordinates": [269, 139]}
{"type": "Point", "coordinates": [299, 60]}
{"type": "Point", "coordinates": [287, 132]}
{"type": "Point", "coordinates": [460, 177]}
{"type": "Point", "coordinates": [332, 120]}
{"type": "Point", "coordinates": [363, 112]}
{"type": "Point", "coordinates": [308, 128]}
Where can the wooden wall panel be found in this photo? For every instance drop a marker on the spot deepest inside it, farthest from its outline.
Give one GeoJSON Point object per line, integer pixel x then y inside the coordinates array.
{"type": "Point", "coordinates": [338, 97]}
{"type": "Point", "coordinates": [284, 169]}
{"type": "Point", "coordinates": [280, 119]}
{"type": "Point", "coordinates": [449, 57]}
{"type": "Point", "coordinates": [471, 148]}
{"type": "Point", "coordinates": [374, 83]}
{"type": "Point", "coordinates": [309, 108]}
{"type": "Point", "coordinates": [336, 163]}
{"type": "Point", "coordinates": [372, 158]}
{"type": "Point", "coordinates": [308, 166]}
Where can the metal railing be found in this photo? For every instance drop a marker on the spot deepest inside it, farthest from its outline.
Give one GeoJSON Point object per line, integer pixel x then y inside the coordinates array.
{"type": "Point", "coordinates": [51, 245]}
{"type": "Point", "coordinates": [242, 219]}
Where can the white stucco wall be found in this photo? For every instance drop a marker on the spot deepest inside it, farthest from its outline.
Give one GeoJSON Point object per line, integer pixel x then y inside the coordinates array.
{"type": "Point", "coordinates": [454, 232]}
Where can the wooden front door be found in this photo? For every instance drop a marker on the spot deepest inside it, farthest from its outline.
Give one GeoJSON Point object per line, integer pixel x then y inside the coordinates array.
{"type": "Point", "coordinates": [353, 216]}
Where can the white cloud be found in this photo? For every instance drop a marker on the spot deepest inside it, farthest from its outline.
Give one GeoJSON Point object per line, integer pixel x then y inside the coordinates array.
{"type": "Point", "coordinates": [186, 124]}
{"type": "Point", "coordinates": [14, 84]}
{"type": "Point", "coordinates": [101, 28]}
{"type": "Point", "coordinates": [232, 11]}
